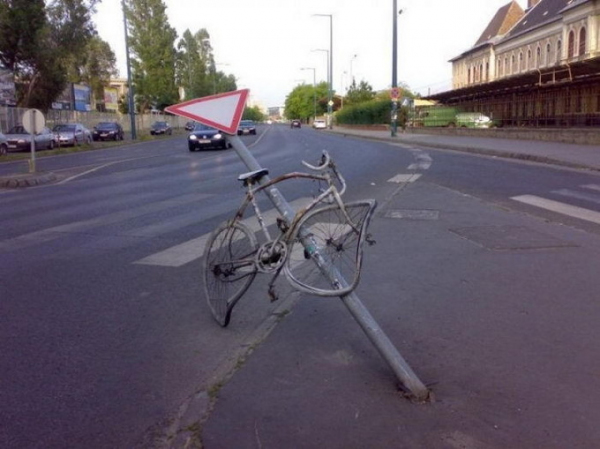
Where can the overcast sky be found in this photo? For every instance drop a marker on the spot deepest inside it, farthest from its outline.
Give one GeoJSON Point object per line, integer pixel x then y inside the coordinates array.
{"type": "Point", "coordinates": [265, 43]}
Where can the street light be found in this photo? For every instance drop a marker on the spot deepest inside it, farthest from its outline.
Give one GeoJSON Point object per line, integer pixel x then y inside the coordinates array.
{"type": "Point", "coordinates": [314, 90]}
{"type": "Point", "coordinates": [394, 113]}
{"type": "Point", "coordinates": [130, 92]}
{"type": "Point", "coordinates": [351, 73]}
{"type": "Point", "coordinates": [330, 102]}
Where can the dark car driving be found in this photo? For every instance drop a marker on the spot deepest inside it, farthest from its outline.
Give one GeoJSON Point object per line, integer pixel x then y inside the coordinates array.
{"type": "Point", "coordinates": [108, 131]}
{"type": "Point", "coordinates": [246, 127]}
{"type": "Point", "coordinates": [295, 124]}
{"type": "Point", "coordinates": [160, 128]}
{"type": "Point", "coordinates": [203, 136]}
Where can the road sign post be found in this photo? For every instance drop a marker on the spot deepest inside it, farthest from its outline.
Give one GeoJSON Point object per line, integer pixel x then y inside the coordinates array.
{"type": "Point", "coordinates": [225, 116]}
{"type": "Point", "coordinates": [33, 121]}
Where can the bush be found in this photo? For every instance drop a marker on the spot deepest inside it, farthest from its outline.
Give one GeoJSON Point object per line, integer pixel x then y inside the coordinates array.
{"type": "Point", "coordinates": [374, 112]}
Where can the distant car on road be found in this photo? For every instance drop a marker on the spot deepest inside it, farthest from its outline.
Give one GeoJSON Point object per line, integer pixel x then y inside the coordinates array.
{"type": "Point", "coordinates": [319, 124]}
{"type": "Point", "coordinates": [108, 131]}
{"type": "Point", "coordinates": [203, 136]}
{"type": "Point", "coordinates": [246, 127]}
{"type": "Point", "coordinates": [19, 139]}
{"type": "Point", "coordinates": [3, 144]}
{"type": "Point", "coordinates": [72, 134]}
{"type": "Point", "coordinates": [161, 128]}
{"type": "Point", "coordinates": [295, 124]}
{"type": "Point", "coordinates": [189, 126]}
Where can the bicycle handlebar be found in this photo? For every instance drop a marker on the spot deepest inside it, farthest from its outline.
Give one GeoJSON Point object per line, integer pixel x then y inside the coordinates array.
{"type": "Point", "coordinates": [327, 163]}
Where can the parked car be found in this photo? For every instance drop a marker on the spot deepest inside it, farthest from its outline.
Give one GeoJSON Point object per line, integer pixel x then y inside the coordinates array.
{"type": "Point", "coordinates": [3, 144]}
{"type": "Point", "coordinates": [189, 126]}
{"type": "Point", "coordinates": [246, 127]}
{"type": "Point", "coordinates": [161, 128]}
{"type": "Point", "coordinates": [18, 139]}
{"type": "Point", "coordinates": [319, 124]}
{"type": "Point", "coordinates": [295, 124]}
{"type": "Point", "coordinates": [203, 136]}
{"type": "Point", "coordinates": [108, 131]}
{"type": "Point", "coordinates": [72, 134]}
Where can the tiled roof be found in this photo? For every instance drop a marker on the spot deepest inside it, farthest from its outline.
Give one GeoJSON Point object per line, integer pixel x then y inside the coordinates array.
{"type": "Point", "coordinates": [504, 19]}
{"type": "Point", "coordinates": [545, 11]}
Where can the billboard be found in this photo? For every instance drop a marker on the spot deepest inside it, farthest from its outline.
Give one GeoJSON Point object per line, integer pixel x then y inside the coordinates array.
{"type": "Point", "coordinates": [82, 95]}
{"type": "Point", "coordinates": [7, 88]}
{"type": "Point", "coordinates": [111, 98]}
{"type": "Point", "coordinates": [65, 100]}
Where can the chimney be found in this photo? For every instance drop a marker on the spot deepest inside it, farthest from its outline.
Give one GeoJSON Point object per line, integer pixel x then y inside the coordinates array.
{"type": "Point", "coordinates": [532, 3]}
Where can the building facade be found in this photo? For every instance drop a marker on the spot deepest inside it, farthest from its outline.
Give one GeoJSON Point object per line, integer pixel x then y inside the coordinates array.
{"type": "Point", "coordinates": [534, 67]}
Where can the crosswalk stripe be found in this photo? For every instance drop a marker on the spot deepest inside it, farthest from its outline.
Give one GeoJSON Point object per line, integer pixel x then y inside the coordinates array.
{"type": "Point", "coordinates": [561, 208]}
{"type": "Point", "coordinates": [404, 178]}
{"type": "Point", "coordinates": [578, 195]}
{"type": "Point", "coordinates": [193, 249]}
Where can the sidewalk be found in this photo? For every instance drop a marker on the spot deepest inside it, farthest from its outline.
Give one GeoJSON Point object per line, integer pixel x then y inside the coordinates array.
{"type": "Point", "coordinates": [485, 330]}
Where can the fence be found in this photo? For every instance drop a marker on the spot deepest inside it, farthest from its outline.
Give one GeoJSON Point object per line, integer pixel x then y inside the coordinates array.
{"type": "Point", "coordinates": [10, 116]}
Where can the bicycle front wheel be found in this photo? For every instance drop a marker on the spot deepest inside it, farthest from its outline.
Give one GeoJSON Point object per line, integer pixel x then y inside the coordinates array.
{"type": "Point", "coordinates": [229, 268]}
{"type": "Point", "coordinates": [325, 254]}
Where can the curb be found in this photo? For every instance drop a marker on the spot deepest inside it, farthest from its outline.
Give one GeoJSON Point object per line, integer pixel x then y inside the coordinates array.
{"type": "Point", "coordinates": [27, 180]}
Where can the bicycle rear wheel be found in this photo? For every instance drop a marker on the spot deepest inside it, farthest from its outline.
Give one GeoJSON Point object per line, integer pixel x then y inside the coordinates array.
{"type": "Point", "coordinates": [325, 254]}
{"type": "Point", "coordinates": [229, 268]}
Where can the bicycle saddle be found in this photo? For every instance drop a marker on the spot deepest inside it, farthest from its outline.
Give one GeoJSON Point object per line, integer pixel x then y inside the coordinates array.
{"type": "Point", "coordinates": [253, 176]}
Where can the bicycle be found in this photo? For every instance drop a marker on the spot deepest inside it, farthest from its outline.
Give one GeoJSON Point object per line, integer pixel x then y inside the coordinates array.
{"type": "Point", "coordinates": [327, 233]}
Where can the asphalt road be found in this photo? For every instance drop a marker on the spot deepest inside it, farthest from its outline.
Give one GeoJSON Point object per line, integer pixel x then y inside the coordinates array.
{"type": "Point", "coordinates": [105, 334]}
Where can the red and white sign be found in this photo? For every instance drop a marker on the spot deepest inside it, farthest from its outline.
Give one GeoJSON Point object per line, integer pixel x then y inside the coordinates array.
{"type": "Point", "coordinates": [222, 111]}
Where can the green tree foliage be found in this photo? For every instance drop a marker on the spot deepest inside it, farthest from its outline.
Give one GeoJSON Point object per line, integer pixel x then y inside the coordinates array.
{"type": "Point", "coordinates": [359, 94]}
{"type": "Point", "coordinates": [193, 62]}
{"type": "Point", "coordinates": [153, 54]}
{"type": "Point", "coordinates": [253, 113]}
{"type": "Point", "coordinates": [97, 66]}
{"type": "Point", "coordinates": [39, 41]}
{"type": "Point", "coordinates": [299, 104]}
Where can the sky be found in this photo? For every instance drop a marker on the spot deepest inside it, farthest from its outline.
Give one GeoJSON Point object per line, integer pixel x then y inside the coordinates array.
{"type": "Point", "coordinates": [266, 43]}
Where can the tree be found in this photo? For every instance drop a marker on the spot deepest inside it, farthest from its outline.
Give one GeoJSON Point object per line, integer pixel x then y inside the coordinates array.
{"type": "Point", "coordinates": [359, 94]}
{"type": "Point", "coordinates": [153, 55]}
{"type": "Point", "coordinates": [97, 66]}
{"type": "Point", "coordinates": [38, 42]}
{"type": "Point", "coordinates": [299, 104]}
{"type": "Point", "coordinates": [253, 113]}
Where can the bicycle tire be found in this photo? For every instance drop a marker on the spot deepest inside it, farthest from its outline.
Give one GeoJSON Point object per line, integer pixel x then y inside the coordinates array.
{"type": "Point", "coordinates": [330, 242]}
{"type": "Point", "coordinates": [229, 268]}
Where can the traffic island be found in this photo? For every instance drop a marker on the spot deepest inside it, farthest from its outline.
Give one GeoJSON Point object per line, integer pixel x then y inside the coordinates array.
{"type": "Point", "coordinates": [27, 180]}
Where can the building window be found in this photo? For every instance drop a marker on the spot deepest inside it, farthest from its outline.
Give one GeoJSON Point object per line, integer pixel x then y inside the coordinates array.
{"type": "Point", "coordinates": [582, 39]}
{"type": "Point", "coordinates": [571, 45]}
{"type": "Point", "coordinates": [513, 64]}
{"type": "Point", "coordinates": [487, 71]}
{"type": "Point", "coordinates": [548, 54]}
{"type": "Point", "coordinates": [506, 65]}
{"type": "Point", "coordinates": [538, 57]}
{"type": "Point", "coordinates": [469, 76]}
{"type": "Point", "coordinates": [480, 72]}
{"type": "Point", "coordinates": [558, 51]}
{"type": "Point", "coordinates": [521, 62]}
{"type": "Point", "coordinates": [529, 61]}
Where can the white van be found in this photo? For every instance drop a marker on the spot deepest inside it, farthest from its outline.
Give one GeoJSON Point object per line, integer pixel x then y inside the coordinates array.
{"type": "Point", "coordinates": [319, 124]}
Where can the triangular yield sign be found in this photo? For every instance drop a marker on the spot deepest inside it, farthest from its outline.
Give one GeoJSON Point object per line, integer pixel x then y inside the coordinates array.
{"type": "Point", "coordinates": [221, 111]}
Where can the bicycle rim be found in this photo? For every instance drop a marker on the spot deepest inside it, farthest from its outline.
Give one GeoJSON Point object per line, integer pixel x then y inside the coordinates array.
{"type": "Point", "coordinates": [229, 268]}
{"type": "Point", "coordinates": [325, 254]}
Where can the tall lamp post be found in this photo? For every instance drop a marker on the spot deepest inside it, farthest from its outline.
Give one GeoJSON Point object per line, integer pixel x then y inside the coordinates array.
{"type": "Point", "coordinates": [314, 90]}
{"type": "Point", "coordinates": [394, 114]}
{"type": "Point", "coordinates": [130, 92]}
{"type": "Point", "coordinates": [330, 99]}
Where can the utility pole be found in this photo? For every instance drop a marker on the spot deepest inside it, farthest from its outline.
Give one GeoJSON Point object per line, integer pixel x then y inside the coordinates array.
{"type": "Point", "coordinates": [131, 104]}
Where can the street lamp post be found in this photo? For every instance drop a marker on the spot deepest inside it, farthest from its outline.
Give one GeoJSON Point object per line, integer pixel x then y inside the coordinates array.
{"type": "Point", "coordinates": [130, 92]}
{"type": "Point", "coordinates": [330, 96]}
{"type": "Point", "coordinates": [314, 90]}
{"type": "Point", "coordinates": [394, 114]}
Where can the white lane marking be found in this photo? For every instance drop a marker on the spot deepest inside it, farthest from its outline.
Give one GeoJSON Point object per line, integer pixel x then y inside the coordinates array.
{"type": "Point", "coordinates": [592, 187]}
{"type": "Point", "coordinates": [55, 232]}
{"type": "Point", "coordinates": [561, 208]}
{"type": "Point", "coordinates": [423, 161]}
{"type": "Point", "coordinates": [404, 178]}
{"type": "Point", "coordinates": [191, 250]}
{"type": "Point", "coordinates": [578, 195]}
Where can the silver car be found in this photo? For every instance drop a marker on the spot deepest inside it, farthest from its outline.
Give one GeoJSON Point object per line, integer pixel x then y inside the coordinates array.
{"type": "Point", "coordinates": [72, 134]}
{"type": "Point", "coordinates": [3, 144]}
{"type": "Point", "coordinates": [18, 139]}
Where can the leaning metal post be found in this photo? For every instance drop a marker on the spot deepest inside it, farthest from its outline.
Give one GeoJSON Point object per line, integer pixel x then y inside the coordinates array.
{"type": "Point", "coordinates": [360, 313]}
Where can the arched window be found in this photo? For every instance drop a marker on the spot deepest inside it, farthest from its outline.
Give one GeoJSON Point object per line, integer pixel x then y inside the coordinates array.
{"type": "Point", "coordinates": [538, 57]}
{"type": "Point", "coordinates": [548, 54]}
{"type": "Point", "coordinates": [529, 61]}
{"type": "Point", "coordinates": [487, 71]}
{"type": "Point", "coordinates": [480, 72]}
{"type": "Point", "coordinates": [571, 45]}
{"type": "Point", "coordinates": [582, 38]}
{"type": "Point", "coordinates": [513, 64]}
{"type": "Point", "coordinates": [558, 51]}
{"type": "Point", "coordinates": [506, 65]}
{"type": "Point", "coordinates": [469, 76]}
{"type": "Point", "coordinates": [521, 62]}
